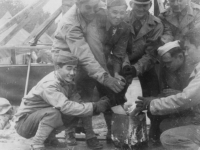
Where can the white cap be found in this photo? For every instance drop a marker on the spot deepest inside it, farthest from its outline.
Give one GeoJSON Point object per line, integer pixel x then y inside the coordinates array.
{"type": "Point", "coordinates": [168, 46]}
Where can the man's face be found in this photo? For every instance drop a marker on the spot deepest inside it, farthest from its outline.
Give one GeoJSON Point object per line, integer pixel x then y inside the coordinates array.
{"type": "Point", "coordinates": [67, 72]}
{"type": "Point", "coordinates": [191, 51]}
{"type": "Point", "coordinates": [172, 63]}
{"type": "Point", "coordinates": [140, 10]}
{"type": "Point", "coordinates": [178, 5]}
{"type": "Point", "coordinates": [89, 9]}
{"type": "Point", "coordinates": [116, 14]}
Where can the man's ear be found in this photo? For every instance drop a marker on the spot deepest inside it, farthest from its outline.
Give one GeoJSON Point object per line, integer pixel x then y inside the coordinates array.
{"type": "Point", "coordinates": [181, 56]}
{"type": "Point", "coordinates": [56, 67]}
{"type": "Point", "coordinates": [150, 5]}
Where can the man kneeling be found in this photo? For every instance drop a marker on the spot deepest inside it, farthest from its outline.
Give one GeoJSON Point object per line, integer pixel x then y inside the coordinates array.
{"type": "Point", "coordinates": [53, 105]}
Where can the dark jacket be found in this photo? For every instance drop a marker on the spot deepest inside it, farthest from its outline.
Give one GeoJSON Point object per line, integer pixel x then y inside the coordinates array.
{"type": "Point", "coordinates": [143, 46]}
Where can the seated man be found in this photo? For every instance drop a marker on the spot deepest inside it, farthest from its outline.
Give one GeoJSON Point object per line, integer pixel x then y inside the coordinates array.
{"type": "Point", "coordinates": [180, 132]}
{"type": "Point", "coordinates": [53, 105]}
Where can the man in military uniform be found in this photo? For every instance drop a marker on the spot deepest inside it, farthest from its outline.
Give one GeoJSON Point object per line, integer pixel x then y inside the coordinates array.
{"type": "Point", "coordinates": [180, 17]}
{"type": "Point", "coordinates": [72, 35]}
{"type": "Point", "coordinates": [143, 43]}
{"type": "Point", "coordinates": [180, 132]}
{"type": "Point", "coordinates": [54, 105]}
{"type": "Point", "coordinates": [110, 34]}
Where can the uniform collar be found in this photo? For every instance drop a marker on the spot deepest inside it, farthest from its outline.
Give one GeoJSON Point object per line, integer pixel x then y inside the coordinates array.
{"type": "Point", "coordinates": [147, 26]}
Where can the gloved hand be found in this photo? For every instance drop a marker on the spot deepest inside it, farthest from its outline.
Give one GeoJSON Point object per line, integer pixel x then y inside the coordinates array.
{"type": "Point", "coordinates": [129, 70]}
{"type": "Point", "coordinates": [114, 84]}
{"type": "Point", "coordinates": [144, 102]}
{"type": "Point", "coordinates": [101, 106]}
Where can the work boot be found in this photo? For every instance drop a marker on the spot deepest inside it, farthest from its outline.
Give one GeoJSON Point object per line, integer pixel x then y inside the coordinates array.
{"type": "Point", "coordinates": [53, 141]}
{"type": "Point", "coordinates": [60, 143]}
{"type": "Point", "coordinates": [94, 144]}
{"type": "Point", "coordinates": [70, 138]}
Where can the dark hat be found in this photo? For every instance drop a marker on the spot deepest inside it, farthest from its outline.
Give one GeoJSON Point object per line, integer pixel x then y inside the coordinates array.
{"type": "Point", "coordinates": [64, 57]}
{"type": "Point", "coordinates": [112, 3]}
{"type": "Point", "coordinates": [141, 1]}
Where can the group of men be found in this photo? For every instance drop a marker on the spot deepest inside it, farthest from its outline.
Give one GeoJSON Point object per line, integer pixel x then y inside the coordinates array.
{"type": "Point", "coordinates": [104, 47]}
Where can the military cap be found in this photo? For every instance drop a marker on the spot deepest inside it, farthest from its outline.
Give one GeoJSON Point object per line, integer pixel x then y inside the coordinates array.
{"type": "Point", "coordinates": [167, 47]}
{"type": "Point", "coordinates": [141, 1]}
{"type": "Point", "coordinates": [112, 3]}
{"type": "Point", "coordinates": [64, 57]}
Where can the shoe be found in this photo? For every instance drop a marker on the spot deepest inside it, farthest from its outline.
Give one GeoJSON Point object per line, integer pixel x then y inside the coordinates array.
{"type": "Point", "coordinates": [94, 144]}
{"type": "Point", "coordinates": [60, 143]}
{"type": "Point", "coordinates": [70, 139]}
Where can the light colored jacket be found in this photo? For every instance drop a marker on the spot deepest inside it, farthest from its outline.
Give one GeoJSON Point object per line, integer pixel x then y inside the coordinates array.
{"type": "Point", "coordinates": [142, 47]}
{"type": "Point", "coordinates": [188, 99]}
{"type": "Point", "coordinates": [173, 30]}
{"type": "Point", "coordinates": [71, 36]}
{"type": "Point", "coordinates": [52, 92]}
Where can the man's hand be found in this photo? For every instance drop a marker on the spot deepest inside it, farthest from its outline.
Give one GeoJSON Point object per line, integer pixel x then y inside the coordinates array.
{"type": "Point", "coordinates": [119, 77]}
{"type": "Point", "coordinates": [129, 70]}
{"type": "Point", "coordinates": [101, 106]}
{"type": "Point", "coordinates": [144, 102]}
{"type": "Point", "coordinates": [114, 84]}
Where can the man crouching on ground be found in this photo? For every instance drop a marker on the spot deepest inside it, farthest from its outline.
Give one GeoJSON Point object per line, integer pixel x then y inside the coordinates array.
{"type": "Point", "coordinates": [52, 105]}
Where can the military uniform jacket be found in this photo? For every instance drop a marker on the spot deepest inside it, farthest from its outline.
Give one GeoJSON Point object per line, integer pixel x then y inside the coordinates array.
{"type": "Point", "coordinates": [52, 92]}
{"type": "Point", "coordinates": [174, 29]}
{"type": "Point", "coordinates": [143, 46]}
{"type": "Point", "coordinates": [188, 99]}
{"type": "Point", "coordinates": [71, 36]}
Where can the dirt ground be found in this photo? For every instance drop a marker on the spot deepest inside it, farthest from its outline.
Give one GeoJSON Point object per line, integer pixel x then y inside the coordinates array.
{"type": "Point", "coordinates": [10, 140]}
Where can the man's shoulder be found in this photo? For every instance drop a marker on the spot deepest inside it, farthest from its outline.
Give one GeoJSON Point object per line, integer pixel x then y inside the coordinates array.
{"type": "Point", "coordinates": [49, 79]}
{"type": "Point", "coordinates": [70, 17]}
{"type": "Point", "coordinates": [155, 19]}
{"type": "Point", "coordinates": [165, 13]}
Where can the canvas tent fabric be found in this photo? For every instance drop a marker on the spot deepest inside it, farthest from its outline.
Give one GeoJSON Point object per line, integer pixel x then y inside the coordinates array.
{"type": "Point", "coordinates": [17, 39]}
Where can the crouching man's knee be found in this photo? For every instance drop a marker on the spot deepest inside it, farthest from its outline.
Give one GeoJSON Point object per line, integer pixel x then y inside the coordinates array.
{"type": "Point", "coordinates": [53, 118]}
{"type": "Point", "coordinates": [28, 124]}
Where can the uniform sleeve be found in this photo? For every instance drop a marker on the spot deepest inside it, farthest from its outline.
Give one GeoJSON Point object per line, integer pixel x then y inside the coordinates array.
{"type": "Point", "coordinates": [79, 47]}
{"type": "Point", "coordinates": [188, 98]}
{"type": "Point", "coordinates": [95, 40]}
{"type": "Point", "coordinates": [119, 51]}
{"type": "Point", "coordinates": [149, 58]}
{"type": "Point", "coordinates": [57, 99]}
